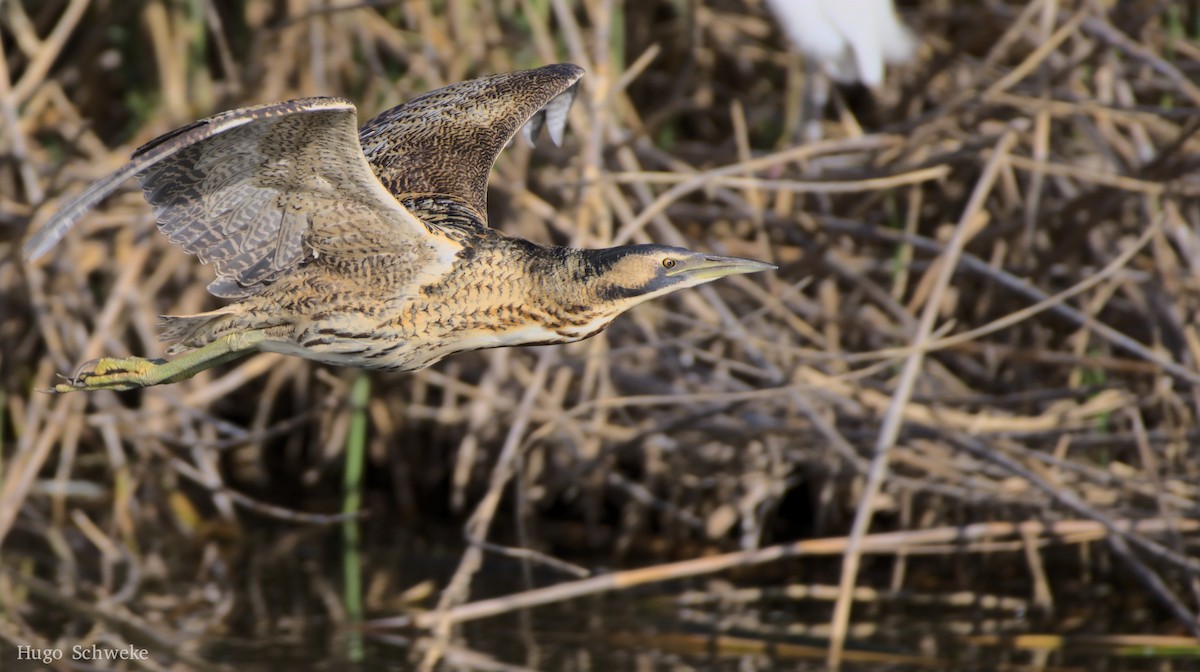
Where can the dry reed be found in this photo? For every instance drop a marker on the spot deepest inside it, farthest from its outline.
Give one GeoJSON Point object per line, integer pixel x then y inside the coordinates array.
{"type": "Point", "coordinates": [982, 337]}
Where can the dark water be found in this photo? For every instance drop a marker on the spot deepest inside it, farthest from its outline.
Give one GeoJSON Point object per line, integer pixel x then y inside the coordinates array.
{"type": "Point", "coordinates": [288, 612]}
{"type": "Point", "coordinates": [647, 632]}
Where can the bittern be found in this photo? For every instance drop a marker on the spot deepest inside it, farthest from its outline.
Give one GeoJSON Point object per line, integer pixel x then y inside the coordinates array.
{"type": "Point", "coordinates": [371, 248]}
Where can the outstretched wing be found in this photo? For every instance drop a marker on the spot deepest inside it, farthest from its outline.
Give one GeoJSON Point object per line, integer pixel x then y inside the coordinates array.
{"type": "Point", "coordinates": [444, 142]}
{"type": "Point", "coordinates": [257, 191]}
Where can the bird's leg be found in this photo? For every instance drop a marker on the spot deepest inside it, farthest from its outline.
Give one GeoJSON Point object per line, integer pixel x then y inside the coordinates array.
{"type": "Point", "coordinates": [130, 373]}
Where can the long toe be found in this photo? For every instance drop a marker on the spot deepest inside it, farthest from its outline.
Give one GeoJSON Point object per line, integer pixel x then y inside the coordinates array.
{"type": "Point", "coordinates": [108, 373]}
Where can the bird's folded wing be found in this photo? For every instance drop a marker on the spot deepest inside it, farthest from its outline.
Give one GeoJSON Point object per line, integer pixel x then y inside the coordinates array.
{"type": "Point", "coordinates": [445, 142]}
{"type": "Point", "coordinates": [250, 190]}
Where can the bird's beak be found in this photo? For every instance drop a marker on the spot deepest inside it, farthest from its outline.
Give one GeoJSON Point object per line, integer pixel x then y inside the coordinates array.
{"type": "Point", "coordinates": [705, 267]}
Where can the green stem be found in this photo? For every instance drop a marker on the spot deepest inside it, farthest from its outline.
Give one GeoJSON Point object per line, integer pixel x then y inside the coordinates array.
{"type": "Point", "coordinates": [356, 450]}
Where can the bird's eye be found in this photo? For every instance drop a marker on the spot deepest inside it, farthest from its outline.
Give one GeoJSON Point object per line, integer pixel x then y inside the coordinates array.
{"type": "Point", "coordinates": [668, 263]}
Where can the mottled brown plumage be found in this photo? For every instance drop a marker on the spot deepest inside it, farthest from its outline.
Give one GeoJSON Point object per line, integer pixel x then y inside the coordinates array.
{"type": "Point", "coordinates": [371, 248]}
{"type": "Point", "coordinates": [442, 144]}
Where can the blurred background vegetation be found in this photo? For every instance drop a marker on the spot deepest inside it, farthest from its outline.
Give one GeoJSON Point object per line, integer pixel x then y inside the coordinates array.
{"type": "Point", "coordinates": [1044, 152]}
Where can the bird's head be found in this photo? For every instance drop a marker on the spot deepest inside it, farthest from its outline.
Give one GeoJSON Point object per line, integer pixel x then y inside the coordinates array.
{"type": "Point", "coordinates": [618, 278]}
{"type": "Point", "coordinates": [627, 276]}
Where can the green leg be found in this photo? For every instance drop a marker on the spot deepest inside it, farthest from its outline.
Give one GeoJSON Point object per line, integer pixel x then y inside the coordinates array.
{"type": "Point", "coordinates": [130, 373]}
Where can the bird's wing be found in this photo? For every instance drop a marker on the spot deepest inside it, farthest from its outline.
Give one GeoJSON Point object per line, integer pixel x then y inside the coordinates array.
{"type": "Point", "coordinates": [444, 142]}
{"type": "Point", "coordinates": [255, 191]}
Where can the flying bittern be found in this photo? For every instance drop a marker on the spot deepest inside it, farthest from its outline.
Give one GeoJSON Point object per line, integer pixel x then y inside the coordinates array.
{"type": "Point", "coordinates": [370, 247]}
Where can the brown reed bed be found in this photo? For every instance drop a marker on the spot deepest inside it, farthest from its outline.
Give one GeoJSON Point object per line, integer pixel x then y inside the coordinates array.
{"type": "Point", "coordinates": [981, 344]}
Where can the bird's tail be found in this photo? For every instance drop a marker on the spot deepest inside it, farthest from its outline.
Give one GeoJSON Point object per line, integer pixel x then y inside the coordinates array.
{"type": "Point", "coordinates": [185, 328]}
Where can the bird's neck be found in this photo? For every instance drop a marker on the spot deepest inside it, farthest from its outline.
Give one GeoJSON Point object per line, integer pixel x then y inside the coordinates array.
{"type": "Point", "coordinates": [560, 284]}
{"type": "Point", "coordinates": [548, 272]}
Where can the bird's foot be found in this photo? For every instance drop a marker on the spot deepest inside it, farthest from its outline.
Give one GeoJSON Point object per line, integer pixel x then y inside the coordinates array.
{"type": "Point", "coordinates": [111, 373]}
{"type": "Point", "coordinates": [131, 373]}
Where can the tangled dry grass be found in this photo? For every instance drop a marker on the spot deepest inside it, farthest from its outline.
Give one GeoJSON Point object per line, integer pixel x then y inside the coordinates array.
{"type": "Point", "coordinates": [982, 337]}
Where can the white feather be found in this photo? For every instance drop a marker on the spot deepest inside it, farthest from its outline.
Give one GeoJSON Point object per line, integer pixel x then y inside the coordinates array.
{"type": "Point", "coordinates": [852, 39]}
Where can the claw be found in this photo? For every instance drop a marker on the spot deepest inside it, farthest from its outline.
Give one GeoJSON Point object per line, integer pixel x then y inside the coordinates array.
{"type": "Point", "coordinates": [55, 390]}
{"type": "Point", "coordinates": [82, 371]}
{"type": "Point", "coordinates": [71, 383]}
